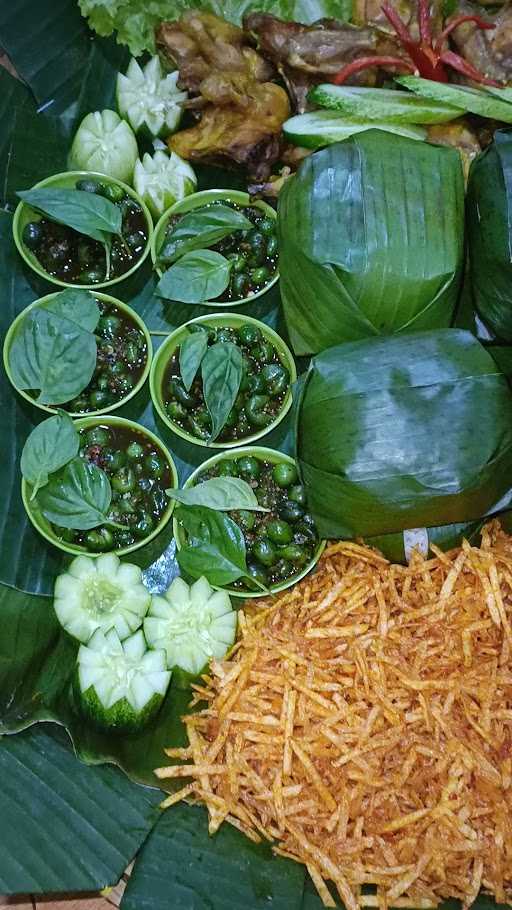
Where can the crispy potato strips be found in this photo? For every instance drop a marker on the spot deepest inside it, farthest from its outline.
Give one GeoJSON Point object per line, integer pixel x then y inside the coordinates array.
{"type": "Point", "coordinates": [363, 725]}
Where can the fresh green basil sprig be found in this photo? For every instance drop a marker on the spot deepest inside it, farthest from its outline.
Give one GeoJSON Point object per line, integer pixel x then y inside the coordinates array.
{"type": "Point", "coordinates": [87, 213]}
{"type": "Point", "coordinates": [201, 228]}
{"type": "Point", "coordinates": [71, 492]}
{"type": "Point", "coordinates": [223, 494]}
{"type": "Point", "coordinates": [215, 546]}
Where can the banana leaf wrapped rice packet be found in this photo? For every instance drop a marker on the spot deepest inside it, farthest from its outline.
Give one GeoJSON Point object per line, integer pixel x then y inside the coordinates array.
{"type": "Point", "coordinates": [489, 218]}
{"type": "Point", "coordinates": [405, 432]}
{"type": "Point", "coordinates": [371, 240]}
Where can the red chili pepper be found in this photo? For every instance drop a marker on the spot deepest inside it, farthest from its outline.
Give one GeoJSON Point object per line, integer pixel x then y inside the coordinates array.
{"type": "Point", "coordinates": [427, 57]}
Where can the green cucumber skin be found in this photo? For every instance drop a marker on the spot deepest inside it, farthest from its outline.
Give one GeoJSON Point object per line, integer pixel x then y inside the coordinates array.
{"type": "Point", "coordinates": [481, 103]}
{"type": "Point", "coordinates": [120, 718]}
{"type": "Point", "coordinates": [320, 140]}
{"type": "Point", "coordinates": [375, 110]}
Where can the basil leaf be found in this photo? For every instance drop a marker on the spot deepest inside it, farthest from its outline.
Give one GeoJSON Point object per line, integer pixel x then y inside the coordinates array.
{"type": "Point", "coordinates": [192, 351]}
{"type": "Point", "coordinates": [215, 547]}
{"type": "Point", "coordinates": [77, 497]}
{"type": "Point", "coordinates": [78, 306]}
{"type": "Point", "coordinates": [54, 355]}
{"type": "Point", "coordinates": [220, 493]}
{"type": "Point", "coordinates": [87, 213]}
{"type": "Point", "coordinates": [202, 228]}
{"type": "Point", "coordinates": [196, 277]}
{"type": "Point", "coordinates": [222, 370]}
{"type": "Point", "coordinates": [49, 447]}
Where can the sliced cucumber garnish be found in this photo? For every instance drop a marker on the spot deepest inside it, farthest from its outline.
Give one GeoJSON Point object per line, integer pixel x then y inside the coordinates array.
{"type": "Point", "coordinates": [120, 685]}
{"type": "Point", "coordinates": [162, 180]}
{"type": "Point", "coordinates": [325, 127]}
{"type": "Point", "coordinates": [151, 102]}
{"type": "Point", "coordinates": [192, 623]}
{"type": "Point", "coordinates": [100, 593]}
{"type": "Point", "coordinates": [383, 105]}
{"type": "Point", "coordinates": [474, 100]}
{"type": "Point", "coordinates": [106, 144]}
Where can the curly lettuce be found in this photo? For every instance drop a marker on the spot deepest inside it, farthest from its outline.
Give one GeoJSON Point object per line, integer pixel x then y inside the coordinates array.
{"type": "Point", "coordinates": [135, 20]}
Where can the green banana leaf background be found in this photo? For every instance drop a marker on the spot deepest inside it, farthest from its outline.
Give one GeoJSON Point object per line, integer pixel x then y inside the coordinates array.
{"type": "Point", "coordinates": [70, 824]}
{"type": "Point", "coordinates": [404, 432]}
{"type": "Point", "coordinates": [489, 210]}
{"type": "Point", "coordinates": [363, 251]}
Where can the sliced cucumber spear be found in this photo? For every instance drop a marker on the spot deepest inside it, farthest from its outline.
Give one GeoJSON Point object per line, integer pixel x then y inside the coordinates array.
{"type": "Point", "coordinates": [476, 101]}
{"type": "Point", "coordinates": [150, 101]}
{"type": "Point", "coordinates": [120, 685]}
{"type": "Point", "coordinates": [325, 127]}
{"type": "Point", "coordinates": [382, 105]}
{"type": "Point", "coordinates": [192, 623]}
{"type": "Point", "coordinates": [100, 593]}
{"type": "Point", "coordinates": [162, 180]}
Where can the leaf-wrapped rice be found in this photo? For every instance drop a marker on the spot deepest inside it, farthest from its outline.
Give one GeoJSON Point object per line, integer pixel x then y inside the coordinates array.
{"type": "Point", "coordinates": [405, 432]}
{"type": "Point", "coordinates": [371, 240]}
{"type": "Point", "coordinates": [489, 218]}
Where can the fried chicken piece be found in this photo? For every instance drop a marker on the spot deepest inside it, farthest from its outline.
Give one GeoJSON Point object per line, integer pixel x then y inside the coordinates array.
{"type": "Point", "coordinates": [247, 134]}
{"type": "Point", "coordinates": [308, 54]}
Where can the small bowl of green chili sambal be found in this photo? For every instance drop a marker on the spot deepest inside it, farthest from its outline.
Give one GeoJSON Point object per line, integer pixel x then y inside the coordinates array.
{"type": "Point", "coordinates": [281, 544]}
{"type": "Point", "coordinates": [242, 356]}
{"type": "Point", "coordinates": [78, 351]}
{"type": "Point", "coordinates": [216, 247]}
{"type": "Point", "coordinates": [82, 230]}
{"type": "Point", "coordinates": [110, 495]}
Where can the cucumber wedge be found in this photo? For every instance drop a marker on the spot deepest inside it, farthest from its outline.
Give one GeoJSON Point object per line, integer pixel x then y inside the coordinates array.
{"type": "Point", "coordinates": [192, 623]}
{"type": "Point", "coordinates": [321, 128]}
{"type": "Point", "coordinates": [383, 105]}
{"type": "Point", "coordinates": [162, 180]}
{"type": "Point", "coordinates": [100, 593]}
{"type": "Point", "coordinates": [106, 144]}
{"type": "Point", "coordinates": [504, 94]}
{"type": "Point", "coordinates": [119, 686]}
{"type": "Point", "coordinates": [149, 100]}
{"type": "Point", "coordinates": [476, 101]}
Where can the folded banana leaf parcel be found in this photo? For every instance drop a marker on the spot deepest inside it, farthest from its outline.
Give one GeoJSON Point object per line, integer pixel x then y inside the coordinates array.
{"type": "Point", "coordinates": [405, 432]}
{"type": "Point", "coordinates": [371, 240]}
{"type": "Point", "coordinates": [489, 219]}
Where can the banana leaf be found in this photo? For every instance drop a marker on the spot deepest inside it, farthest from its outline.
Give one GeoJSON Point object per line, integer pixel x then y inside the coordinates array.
{"type": "Point", "coordinates": [405, 432]}
{"type": "Point", "coordinates": [371, 240]}
{"type": "Point", "coordinates": [489, 220]}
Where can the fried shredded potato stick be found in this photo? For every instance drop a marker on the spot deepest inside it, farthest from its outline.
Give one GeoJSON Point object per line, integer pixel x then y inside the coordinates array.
{"type": "Point", "coordinates": [363, 724]}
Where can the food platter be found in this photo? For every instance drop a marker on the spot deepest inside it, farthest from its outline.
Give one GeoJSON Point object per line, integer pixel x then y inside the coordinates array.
{"type": "Point", "coordinates": [256, 622]}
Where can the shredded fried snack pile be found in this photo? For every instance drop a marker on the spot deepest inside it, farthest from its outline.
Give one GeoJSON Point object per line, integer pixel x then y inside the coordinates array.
{"type": "Point", "coordinates": [364, 725]}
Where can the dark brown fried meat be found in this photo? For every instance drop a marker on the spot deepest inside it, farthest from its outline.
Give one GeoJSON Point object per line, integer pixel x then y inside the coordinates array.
{"type": "Point", "coordinates": [307, 54]}
{"type": "Point", "coordinates": [489, 51]}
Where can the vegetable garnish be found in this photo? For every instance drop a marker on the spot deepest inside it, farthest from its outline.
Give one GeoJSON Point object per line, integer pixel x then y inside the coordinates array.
{"type": "Point", "coordinates": [120, 686]}
{"type": "Point", "coordinates": [106, 144]}
{"type": "Point", "coordinates": [429, 57]}
{"type": "Point", "coordinates": [363, 726]}
{"type": "Point", "coordinates": [321, 128]}
{"type": "Point", "coordinates": [149, 100]}
{"type": "Point", "coordinates": [100, 593]}
{"type": "Point", "coordinates": [192, 623]}
{"type": "Point", "coordinates": [162, 180]}
{"type": "Point", "coordinates": [50, 446]}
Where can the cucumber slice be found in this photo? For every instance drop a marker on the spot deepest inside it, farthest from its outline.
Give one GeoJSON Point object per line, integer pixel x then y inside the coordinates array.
{"type": "Point", "coordinates": [162, 180]}
{"type": "Point", "coordinates": [325, 127]}
{"type": "Point", "coordinates": [104, 143]}
{"type": "Point", "coordinates": [473, 100]}
{"type": "Point", "coordinates": [193, 623]}
{"type": "Point", "coordinates": [100, 593]}
{"type": "Point", "coordinates": [384, 105]}
{"type": "Point", "coordinates": [120, 685]}
{"type": "Point", "coordinates": [151, 102]}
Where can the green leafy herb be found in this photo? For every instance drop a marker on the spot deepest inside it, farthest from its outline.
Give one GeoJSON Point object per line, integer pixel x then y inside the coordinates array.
{"type": "Point", "coordinates": [222, 370]}
{"type": "Point", "coordinates": [192, 351]}
{"type": "Point", "coordinates": [215, 546]}
{"type": "Point", "coordinates": [198, 276]}
{"type": "Point", "coordinates": [201, 228]}
{"type": "Point", "coordinates": [54, 355]}
{"type": "Point", "coordinates": [77, 305]}
{"type": "Point", "coordinates": [220, 493]}
{"type": "Point", "coordinates": [87, 213]}
{"type": "Point", "coordinates": [49, 447]}
{"type": "Point", "coordinates": [76, 497]}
